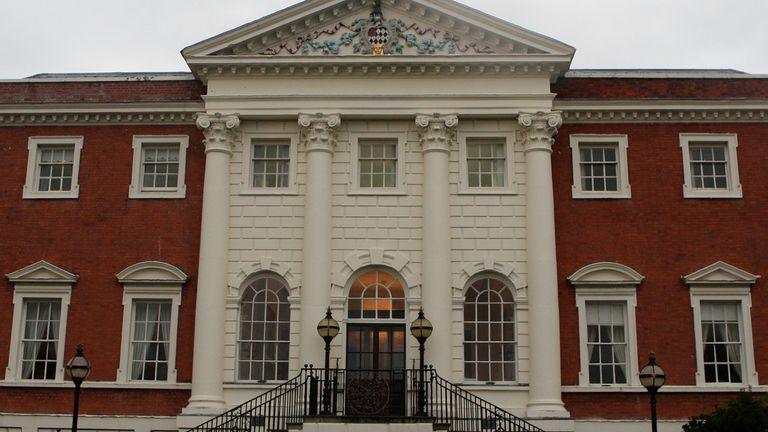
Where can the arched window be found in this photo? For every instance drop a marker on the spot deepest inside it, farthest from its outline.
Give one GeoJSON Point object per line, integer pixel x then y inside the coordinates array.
{"type": "Point", "coordinates": [376, 294]}
{"type": "Point", "coordinates": [264, 333]}
{"type": "Point", "coordinates": [489, 332]}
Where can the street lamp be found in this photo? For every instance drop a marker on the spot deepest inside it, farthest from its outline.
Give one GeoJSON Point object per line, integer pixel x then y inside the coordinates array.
{"type": "Point", "coordinates": [421, 329]}
{"type": "Point", "coordinates": [78, 369]}
{"type": "Point", "coordinates": [327, 328]}
{"type": "Point", "coordinates": [652, 378]}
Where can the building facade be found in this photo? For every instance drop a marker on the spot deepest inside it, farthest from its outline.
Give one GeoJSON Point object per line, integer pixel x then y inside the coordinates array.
{"type": "Point", "coordinates": [374, 159]}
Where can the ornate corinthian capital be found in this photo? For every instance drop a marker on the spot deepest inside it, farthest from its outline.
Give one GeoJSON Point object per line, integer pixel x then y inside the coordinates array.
{"type": "Point", "coordinates": [218, 130]}
{"type": "Point", "coordinates": [540, 128]}
{"type": "Point", "coordinates": [318, 131]}
{"type": "Point", "coordinates": [437, 132]}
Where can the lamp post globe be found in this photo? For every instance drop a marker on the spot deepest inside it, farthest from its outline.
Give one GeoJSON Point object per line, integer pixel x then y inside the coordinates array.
{"type": "Point", "coordinates": [652, 377]}
{"type": "Point", "coordinates": [78, 368]}
{"type": "Point", "coordinates": [421, 329]}
{"type": "Point", "coordinates": [328, 328]}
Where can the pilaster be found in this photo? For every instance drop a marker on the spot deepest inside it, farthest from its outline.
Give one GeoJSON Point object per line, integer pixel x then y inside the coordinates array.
{"type": "Point", "coordinates": [437, 134]}
{"type": "Point", "coordinates": [318, 134]}
{"type": "Point", "coordinates": [544, 399]}
{"type": "Point", "coordinates": [208, 362]}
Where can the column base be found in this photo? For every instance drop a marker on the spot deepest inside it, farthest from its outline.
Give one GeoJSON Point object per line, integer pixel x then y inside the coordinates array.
{"type": "Point", "coordinates": [205, 405]}
{"type": "Point", "coordinates": [547, 409]}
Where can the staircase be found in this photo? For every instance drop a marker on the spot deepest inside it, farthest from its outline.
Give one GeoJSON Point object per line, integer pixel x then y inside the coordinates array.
{"type": "Point", "coordinates": [325, 397]}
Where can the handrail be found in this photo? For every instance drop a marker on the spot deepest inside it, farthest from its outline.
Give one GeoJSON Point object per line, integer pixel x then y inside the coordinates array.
{"type": "Point", "coordinates": [462, 411]}
{"type": "Point", "coordinates": [285, 404]}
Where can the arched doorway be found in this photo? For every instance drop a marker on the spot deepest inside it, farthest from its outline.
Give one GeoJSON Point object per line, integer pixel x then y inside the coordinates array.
{"type": "Point", "coordinates": [376, 339]}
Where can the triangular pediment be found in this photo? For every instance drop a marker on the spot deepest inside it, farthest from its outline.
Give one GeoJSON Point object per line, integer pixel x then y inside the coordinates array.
{"type": "Point", "coordinates": [375, 30]}
{"type": "Point", "coordinates": [152, 272]}
{"type": "Point", "coordinates": [605, 273]}
{"type": "Point", "coordinates": [42, 272]}
{"type": "Point", "coordinates": [720, 273]}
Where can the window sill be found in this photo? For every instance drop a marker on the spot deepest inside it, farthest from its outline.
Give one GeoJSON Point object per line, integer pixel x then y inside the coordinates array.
{"type": "Point", "coordinates": [505, 386]}
{"type": "Point", "coordinates": [99, 384]}
{"type": "Point", "coordinates": [487, 191]}
{"type": "Point", "coordinates": [666, 389]}
{"type": "Point", "coordinates": [174, 194]}
{"type": "Point", "coordinates": [267, 192]}
{"type": "Point", "coordinates": [51, 195]}
{"type": "Point", "coordinates": [712, 195]}
{"type": "Point", "coordinates": [377, 192]}
{"type": "Point", "coordinates": [268, 385]}
{"type": "Point", "coordinates": [601, 195]}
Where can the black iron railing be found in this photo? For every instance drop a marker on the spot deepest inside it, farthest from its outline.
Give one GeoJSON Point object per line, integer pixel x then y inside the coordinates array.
{"type": "Point", "coordinates": [367, 393]}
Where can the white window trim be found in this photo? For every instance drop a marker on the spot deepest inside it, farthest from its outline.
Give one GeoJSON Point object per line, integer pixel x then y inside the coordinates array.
{"type": "Point", "coordinates": [139, 141]}
{"type": "Point", "coordinates": [734, 186]}
{"type": "Point", "coordinates": [31, 184]}
{"type": "Point", "coordinates": [624, 189]}
{"type": "Point", "coordinates": [150, 280]}
{"type": "Point", "coordinates": [607, 282]}
{"type": "Point", "coordinates": [510, 187]}
{"type": "Point", "coordinates": [354, 164]}
{"type": "Point", "coordinates": [245, 183]}
{"type": "Point", "coordinates": [40, 280]}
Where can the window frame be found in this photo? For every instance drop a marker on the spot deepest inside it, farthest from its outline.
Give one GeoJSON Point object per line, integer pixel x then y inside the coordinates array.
{"type": "Point", "coordinates": [516, 342]}
{"type": "Point", "coordinates": [509, 141]}
{"type": "Point", "coordinates": [732, 169]}
{"type": "Point", "coordinates": [152, 281]}
{"type": "Point", "coordinates": [624, 190]}
{"type": "Point", "coordinates": [31, 183]}
{"type": "Point", "coordinates": [39, 281]}
{"type": "Point", "coordinates": [140, 142]}
{"type": "Point", "coordinates": [246, 182]}
{"type": "Point", "coordinates": [354, 166]}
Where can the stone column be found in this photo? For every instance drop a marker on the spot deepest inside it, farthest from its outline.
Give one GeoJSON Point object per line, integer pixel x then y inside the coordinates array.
{"type": "Point", "coordinates": [318, 134]}
{"type": "Point", "coordinates": [544, 400]}
{"type": "Point", "coordinates": [437, 134]}
{"type": "Point", "coordinates": [208, 361]}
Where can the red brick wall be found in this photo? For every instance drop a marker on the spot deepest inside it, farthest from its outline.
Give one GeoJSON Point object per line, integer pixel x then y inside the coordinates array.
{"type": "Point", "coordinates": [663, 236]}
{"type": "Point", "coordinates": [93, 92]}
{"type": "Point", "coordinates": [628, 406]}
{"type": "Point", "coordinates": [97, 236]}
{"type": "Point", "coordinates": [668, 88]}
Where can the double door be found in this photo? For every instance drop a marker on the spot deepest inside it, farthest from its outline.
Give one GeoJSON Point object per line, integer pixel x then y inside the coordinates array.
{"type": "Point", "coordinates": [376, 381]}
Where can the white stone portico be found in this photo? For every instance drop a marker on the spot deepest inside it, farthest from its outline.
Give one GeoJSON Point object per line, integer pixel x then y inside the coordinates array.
{"type": "Point", "coordinates": [443, 76]}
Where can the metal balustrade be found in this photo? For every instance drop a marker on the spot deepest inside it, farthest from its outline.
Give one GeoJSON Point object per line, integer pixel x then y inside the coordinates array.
{"type": "Point", "coordinates": [374, 394]}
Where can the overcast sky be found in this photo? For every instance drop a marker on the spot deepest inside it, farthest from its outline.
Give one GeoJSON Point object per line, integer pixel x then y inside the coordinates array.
{"type": "Point", "coordinates": [146, 35]}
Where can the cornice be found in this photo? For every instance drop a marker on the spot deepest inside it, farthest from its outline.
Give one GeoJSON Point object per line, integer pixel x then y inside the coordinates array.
{"type": "Point", "coordinates": [86, 114]}
{"type": "Point", "coordinates": [663, 111]}
{"type": "Point", "coordinates": [394, 66]}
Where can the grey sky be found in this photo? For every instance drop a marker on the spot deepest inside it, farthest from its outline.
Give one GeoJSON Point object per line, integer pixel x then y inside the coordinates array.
{"type": "Point", "coordinates": [147, 35]}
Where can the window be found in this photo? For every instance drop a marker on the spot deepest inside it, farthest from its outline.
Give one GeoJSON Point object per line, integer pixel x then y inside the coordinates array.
{"type": "Point", "coordinates": [607, 342]}
{"type": "Point", "coordinates": [378, 166]}
{"type": "Point", "coordinates": [486, 163]}
{"type": "Point", "coordinates": [151, 299]}
{"type": "Point", "coordinates": [600, 166]}
{"type": "Point", "coordinates": [606, 301]}
{"type": "Point", "coordinates": [269, 164]}
{"type": "Point", "coordinates": [721, 303]}
{"type": "Point", "coordinates": [376, 294]}
{"type": "Point", "coordinates": [264, 331]}
{"type": "Point", "coordinates": [710, 167]}
{"type": "Point", "coordinates": [490, 341]}
{"type": "Point", "coordinates": [53, 167]}
{"type": "Point", "coordinates": [159, 166]}
{"type": "Point", "coordinates": [41, 300]}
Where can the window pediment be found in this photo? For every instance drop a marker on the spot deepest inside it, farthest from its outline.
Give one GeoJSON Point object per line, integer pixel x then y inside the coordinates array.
{"type": "Point", "coordinates": [152, 272]}
{"type": "Point", "coordinates": [720, 273]}
{"type": "Point", "coordinates": [42, 272]}
{"type": "Point", "coordinates": [605, 273]}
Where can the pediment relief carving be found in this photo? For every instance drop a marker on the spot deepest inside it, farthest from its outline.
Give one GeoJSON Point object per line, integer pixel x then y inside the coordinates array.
{"type": "Point", "coordinates": [377, 27]}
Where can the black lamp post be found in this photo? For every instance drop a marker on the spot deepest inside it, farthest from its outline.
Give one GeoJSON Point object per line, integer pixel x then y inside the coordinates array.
{"type": "Point", "coordinates": [327, 328]}
{"type": "Point", "coordinates": [78, 369]}
{"type": "Point", "coordinates": [652, 377]}
{"type": "Point", "coordinates": [421, 329]}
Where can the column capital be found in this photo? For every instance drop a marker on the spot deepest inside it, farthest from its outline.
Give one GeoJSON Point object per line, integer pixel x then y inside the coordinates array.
{"type": "Point", "coordinates": [437, 132]}
{"type": "Point", "coordinates": [540, 128]}
{"type": "Point", "coordinates": [318, 131]}
{"type": "Point", "coordinates": [218, 130]}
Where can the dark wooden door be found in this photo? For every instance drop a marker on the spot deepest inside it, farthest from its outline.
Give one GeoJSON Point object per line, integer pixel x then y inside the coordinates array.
{"type": "Point", "coordinates": [375, 381]}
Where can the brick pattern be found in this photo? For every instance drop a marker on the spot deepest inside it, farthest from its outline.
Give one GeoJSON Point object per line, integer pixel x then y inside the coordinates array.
{"type": "Point", "coordinates": [96, 236]}
{"type": "Point", "coordinates": [660, 88]}
{"type": "Point", "coordinates": [663, 236]}
{"type": "Point", "coordinates": [628, 406]}
{"type": "Point", "coordinates": [100, 92]}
